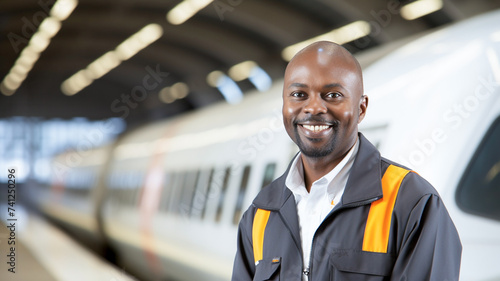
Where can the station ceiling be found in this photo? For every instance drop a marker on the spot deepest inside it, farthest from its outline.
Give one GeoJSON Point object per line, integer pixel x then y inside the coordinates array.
{"type": "Point", "coordinates": [219, 36]}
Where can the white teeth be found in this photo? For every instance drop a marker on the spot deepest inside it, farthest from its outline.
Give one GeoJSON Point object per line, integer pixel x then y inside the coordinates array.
{"type": "Point", "coordinates": [316, 128]}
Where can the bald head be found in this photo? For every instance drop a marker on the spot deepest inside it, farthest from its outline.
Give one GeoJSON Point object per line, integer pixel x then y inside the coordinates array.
{"type": "Point", "coordinates": [328, 55]}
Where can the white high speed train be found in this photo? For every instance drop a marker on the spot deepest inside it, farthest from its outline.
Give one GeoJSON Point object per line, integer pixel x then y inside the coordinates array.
{"type": "Point", "coordinates": [167, 197]}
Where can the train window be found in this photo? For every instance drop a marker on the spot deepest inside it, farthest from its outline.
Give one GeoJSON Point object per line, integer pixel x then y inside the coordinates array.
{"type": "Point", "coordinates": [175, 193]}
{"type": "Point", "coordinates": [167, 189]}
{"type": "Point", "coordinates": [135, 196]}
{"type": "Point", "coordinates": [127, 189]}
{"type": "Point", "coordinates": [210, 187]}
{"type": "Point", "coordinates": [199, 193]}
{"type": "Point", "coordinates": [137, 187]}
{"type": "Point", "coordinates": [479, 189]}
{"type": "Point", "coordinates": [188, 193]}
{"type": "Point", "coordinates": [268, 174]}
{"type": "Point", "coordinates": [222, 194]}
{"type": "Point", "coordinates": [111, 180]}
{"type": "Point", "coordinates": [132, 190]}
{"type": "Point", "coordinates": [128, 196]}
{"type": "Point", "coordinates": [241, 194]}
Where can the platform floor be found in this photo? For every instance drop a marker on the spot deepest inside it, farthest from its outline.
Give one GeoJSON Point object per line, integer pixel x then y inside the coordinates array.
{"type": "Point", "coordinates": [45, 253]}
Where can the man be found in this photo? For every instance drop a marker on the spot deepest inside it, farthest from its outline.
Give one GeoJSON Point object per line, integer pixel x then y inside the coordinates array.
{"type": "Point", "coordinates": [341, 211]}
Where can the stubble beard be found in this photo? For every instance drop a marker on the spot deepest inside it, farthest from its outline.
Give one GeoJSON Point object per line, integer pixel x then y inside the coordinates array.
{"type": "Point", "coordinates": [317, 152]}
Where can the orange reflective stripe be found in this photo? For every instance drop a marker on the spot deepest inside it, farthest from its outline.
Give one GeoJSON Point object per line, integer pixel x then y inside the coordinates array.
{"type": "Point", "coordinates": [378, 224]}
{"type": "Point", "coordinates": [258, 229]}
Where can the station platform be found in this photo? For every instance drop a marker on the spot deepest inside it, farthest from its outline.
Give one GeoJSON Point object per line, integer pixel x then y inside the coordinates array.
{"type": "Point", "coordinates": [33, 249]}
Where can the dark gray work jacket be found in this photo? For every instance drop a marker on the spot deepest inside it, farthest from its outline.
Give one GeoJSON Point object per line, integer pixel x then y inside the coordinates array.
{"type": "Point", "coordinates": [409, 237]}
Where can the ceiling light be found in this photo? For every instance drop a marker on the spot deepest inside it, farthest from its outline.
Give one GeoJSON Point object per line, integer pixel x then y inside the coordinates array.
{"type": "Point", "coordinates": [341, 35]}
{"type": "Point", "coordinates": [27, 60]}
{"type": "Point", "coordinates": [420, 8]}
{"type": "Point", "coordinates": [10, 83]}
{"type": "Point", "coordinates": [251, 71]}
{"type": "Point", "coordinates": [28, 56]}
{"type": "Point", "coordinates": [165, 96]}
{"type": "Point", "coordinates": [185, 10]}
{"type": "Point", "coordinates": [6, 91]}
{"type": "Point", "coordinates": [76, 83]}
{"type": "Point", "coordinates": [112, 59]}
{"type": "Point", "coordinates": [63, 8]}
{"type": "Point", "coordinates": [260, 79]}
{"type": "Point", "coordinates": [230, 90]}
{"type": "Point", "coordinates": [68, 88]}
{"type": "Point", "coordinates": [17, 77]}
{"type": "Point", "coordinates": [213, 78]}
{"type": "Point", "coordinates": [37, 44]}
{"type": "Point", "coordinates": [102, 65]}
{"type": "Point", "coordinates": [149, 33]}
{"type": "Point", "coordinates": [242, 70]}
{"type": "Point", "coordinates": [179, 90]}
{"type": "Point", "coordinates": [50, 26]}
{"type": "Point", "coordinates": [139, 41]}
{"type": "Point", "coordinates": [20, 69]}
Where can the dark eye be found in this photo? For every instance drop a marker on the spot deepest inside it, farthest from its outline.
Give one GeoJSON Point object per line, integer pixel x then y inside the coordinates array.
{"type": "Point", "coordinates": [297, 94]}
{"type": "Point", "coordinates": [333, 95]}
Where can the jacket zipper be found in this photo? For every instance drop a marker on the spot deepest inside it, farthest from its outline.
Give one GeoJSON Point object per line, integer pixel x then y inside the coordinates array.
{"type": "Point", "coordinates": [308, 271]}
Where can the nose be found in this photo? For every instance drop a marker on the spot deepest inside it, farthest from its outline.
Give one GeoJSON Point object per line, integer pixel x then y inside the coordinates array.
{"type": "Point", "coordinates": [315, 105]}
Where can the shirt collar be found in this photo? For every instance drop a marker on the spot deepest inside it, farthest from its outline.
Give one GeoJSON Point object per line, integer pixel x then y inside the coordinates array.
{"type": "Point", "coordinates": [295, 178]}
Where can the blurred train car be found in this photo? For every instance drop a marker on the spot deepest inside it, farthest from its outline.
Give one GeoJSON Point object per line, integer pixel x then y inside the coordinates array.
{"type": "Point", "coordinates": [167, 197]}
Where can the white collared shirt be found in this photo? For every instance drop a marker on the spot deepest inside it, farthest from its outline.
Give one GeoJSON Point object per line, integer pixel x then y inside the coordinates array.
{"type": "Point", "coordinates": [314, 206]}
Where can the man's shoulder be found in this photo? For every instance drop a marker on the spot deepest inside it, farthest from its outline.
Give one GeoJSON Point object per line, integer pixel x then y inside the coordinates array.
{"type": "Point", "coordinates": [413, 182]}
{"type": "Point", "coordinates": [271, 195]}
{"type": "Point", "coordinates": [387, 162]}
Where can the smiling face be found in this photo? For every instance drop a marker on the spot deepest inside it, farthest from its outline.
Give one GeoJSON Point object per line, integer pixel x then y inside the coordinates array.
{"type": "Point", "coordinates": [323, 100]}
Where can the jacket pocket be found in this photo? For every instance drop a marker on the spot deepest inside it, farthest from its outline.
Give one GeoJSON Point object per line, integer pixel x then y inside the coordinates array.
{"type": "Point", "coordinates": [268, 269]}
{"type": "Point", "coordinates": [353, 264]}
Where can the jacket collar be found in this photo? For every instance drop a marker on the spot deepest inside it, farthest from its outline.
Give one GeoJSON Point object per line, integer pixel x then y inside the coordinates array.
{"type": "Point", "coordinates": [363, 185]}
{"type": "Point", "coordinates": [365, 180]}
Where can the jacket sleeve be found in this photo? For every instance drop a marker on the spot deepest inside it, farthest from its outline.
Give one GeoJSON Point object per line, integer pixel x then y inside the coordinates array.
{"type": "Point", "coordinates": [431, 248]}
{"type": "Point", "coordinates": [244, 266]}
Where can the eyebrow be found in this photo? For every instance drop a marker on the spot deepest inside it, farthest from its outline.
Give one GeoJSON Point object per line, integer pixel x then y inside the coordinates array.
{"type": "Point", "coordinates": [333, 85]}
{"type": "Point", "coordinates": [327, 86]}
{"type": "Point", "coordinates": [298, 85]}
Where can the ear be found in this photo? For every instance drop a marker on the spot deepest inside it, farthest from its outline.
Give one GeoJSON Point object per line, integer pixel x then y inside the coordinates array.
{"type": "Point", "coordinates": [363, 104]}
